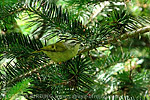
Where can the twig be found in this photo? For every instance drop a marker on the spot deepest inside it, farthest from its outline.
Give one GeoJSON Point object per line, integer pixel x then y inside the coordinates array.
{"type": "Point", "coordinates": [96, 12]}
{"type": "Point", "coordinates": [122, 37]}
{"type": "Point", "coordinates": [11, 13]}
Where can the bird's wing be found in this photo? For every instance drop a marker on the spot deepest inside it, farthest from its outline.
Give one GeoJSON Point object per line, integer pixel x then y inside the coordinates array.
{"type": "Point", "coordinates": [57, 47]}
{"type": "Point", "coordinates": [60, 47]}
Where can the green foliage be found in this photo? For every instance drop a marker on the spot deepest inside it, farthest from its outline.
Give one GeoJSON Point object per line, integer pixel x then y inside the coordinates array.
{"type": "Point", "coordinates": [17, 45]}
{"type": "Point", "coordinates": [19, 89]}
{"type": "Point", "coordinates": [112, 60]}
{"type": "Point", "coordinates": [132, 82]}
{"type": "Point", "coordinates": [97, 73]}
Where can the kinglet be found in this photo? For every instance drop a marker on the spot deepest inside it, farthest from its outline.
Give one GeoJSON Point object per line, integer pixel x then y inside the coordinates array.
{"type": "Point", "coordinates": [61, 51]}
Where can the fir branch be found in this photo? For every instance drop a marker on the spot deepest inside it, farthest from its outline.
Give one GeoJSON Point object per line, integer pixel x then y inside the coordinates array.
{"type": "Point", "coordinates": [122, 37]}
{"type": "Point", "coordinates": [112, 60]}
{"type": "Point", "coordinates": [134, 33]}
{"type": "Point", "coordinates": [19, 7]}
{"type": "Point", "coordinates": [18, 89]}
{"type": "Point", "coordinates": [96, 12]}
{"type": "Point", "coordinates": [12, 13]}
{"type": "Point", "coordinates": [23, 70]}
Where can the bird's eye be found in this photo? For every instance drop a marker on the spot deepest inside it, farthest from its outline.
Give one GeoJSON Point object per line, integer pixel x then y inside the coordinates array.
{"type": "Point", "coordinates": [52, 46]}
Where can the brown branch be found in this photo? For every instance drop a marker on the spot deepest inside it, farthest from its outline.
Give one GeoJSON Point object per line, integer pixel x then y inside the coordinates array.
{"type": "Point", "coordinates": [136, 32]}
{"type": "Point", "coordinates": [122, 37]}
{"type": "Point", "coordinates": [11, 13]}
{"type": "Point", "coordinates": [29, 72]}
{"type": "Point", "coordinates": [19, 10]}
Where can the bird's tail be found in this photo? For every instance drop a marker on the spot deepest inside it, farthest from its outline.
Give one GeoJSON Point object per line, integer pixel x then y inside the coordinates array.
{"type": "Point", "coordinates": [37, 51]}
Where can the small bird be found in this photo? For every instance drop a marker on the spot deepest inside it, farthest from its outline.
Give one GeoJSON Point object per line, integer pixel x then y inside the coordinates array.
{"type": "Point", "coordinates": [61, 51]}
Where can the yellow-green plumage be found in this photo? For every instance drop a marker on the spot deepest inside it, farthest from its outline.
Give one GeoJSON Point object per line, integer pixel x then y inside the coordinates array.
{"type": "Point", "coordinates": [61, 51]}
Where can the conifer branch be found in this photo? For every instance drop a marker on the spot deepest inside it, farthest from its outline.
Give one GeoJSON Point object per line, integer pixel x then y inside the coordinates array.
{"type": "Point", "coordinates": [96, 12]}
{"type": "Point", "coordinates": [136, 32]}
{"type": "Point", "coordinates": [11, 13]}
{"type": "Point", "coordinates": [122, 37]}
